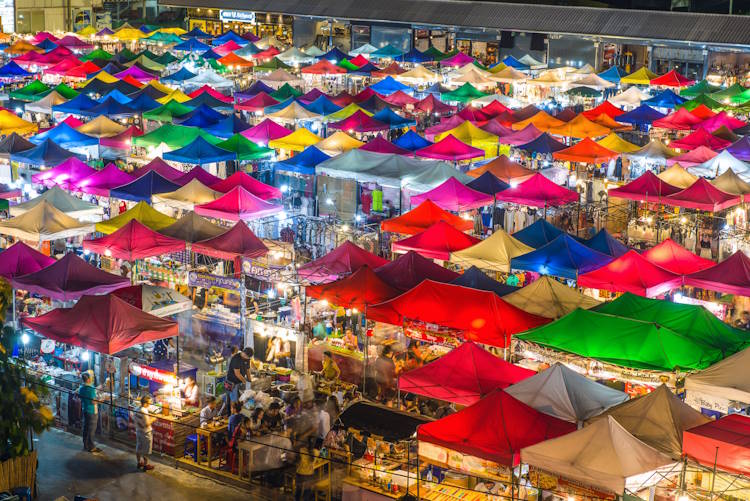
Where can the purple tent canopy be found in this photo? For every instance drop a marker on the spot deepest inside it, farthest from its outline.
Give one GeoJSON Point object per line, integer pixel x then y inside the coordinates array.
{"type": "Point", "coordinates": [104, 180]}
{"type": "Point", "coordinates": [201, 175]}
{"type": "Point", "coordinates": [137, 73]}
{"type": "Point", "coordinates": [69, 278]}
{"type": "Point", "coordinates": [459, 59]}
{"type": "Point", "coordinates": [741, 149]}
{"type": "Point", "coordinates": [20, 259]}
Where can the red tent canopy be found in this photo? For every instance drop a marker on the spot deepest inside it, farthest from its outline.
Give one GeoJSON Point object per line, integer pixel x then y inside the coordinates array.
{"type": "Point", "coordinates": [134, 241]}
{"type": "Point", "coordinates": [69, 278]}
{"type": "Point", "coordinates": [453, 195]}
{"type": "Point", "coordinates": [677, 259]}
{"type": "Point", "coordinates": [631, 272]}
{"type": "Point", "coordinates": [433, 106]}
{"type": "Point", "coordinates": [343, 260]}
{"type": "Point", "coordinates": [701, 137]}
{"type": "Point", "coordinates": [450, 148]}
{"type": "Point", "coordinates": [587, 150]}
{"type": "Point", "coordinates": [606, 108]}
{"type": "Point", "coordinates": [105, 324]}
{"type": "Point", "coordinates": [496, 428]}
{"type": "Point", "coordinates": [702, 195]}
{"type": "Point", "coordinates": [160, 167]}
{"type": "Point", "coordinates": [422, 217]}
{"type": "Point", "coordinates": [392, 69]}
{"type": "Point", "coordinates": [237, 204]}
{"type": "Point", "coordinates": [411, 269]}
{"type": "Point", "coordinates": [681, 119]}
{"type": "Point", "coordinates": [693, 157]}
{"type": "Point", "coordinates": [645, 188]}
{"type": "Point", "coordinates": [538, 191]}
{"type": "Point", "coordinates": [20, 259]}
{"type": "Point", "coordinates": [724, 443]}
{"type": "Point", "coordinates": [400, 98]}
{"type": "Point", "coordinates": [360, 122]}
{"type": "Point", "coordinates": [703, 112]}
{"type": "Point", "coordinates": [672, 79]}
{"type": "Point", "coordinates": [476, 315]}
{"type": "Point", "coordinates": [463, 376]}
{"type": "Point", "coordinates": [205, 89]}
{"type": "Point", "coordinates": [359, 61]}
{"type": "Point", "coordinates": [364, 95]}
{"type": "Point", "coordinates": [342, 99]}
{"type": "Point", "coordinates": [436, 242]}
{"type": "Point", "coordinates": [361, 289]}
{"type": "Point", "coordinates": [239, 241]}
{"type": "Point", "coordinates": [495, 108]}
{"type": "Point", "coordinates": [257, 188]}
{"type": "Point", "coordinates": [731, 276]}
{"type": "Point", "coordinates": [257, 102]}
{"type": "Point", "coordinates": [474, 114]}
{"type": "Point", "coordinates": [323, 67]}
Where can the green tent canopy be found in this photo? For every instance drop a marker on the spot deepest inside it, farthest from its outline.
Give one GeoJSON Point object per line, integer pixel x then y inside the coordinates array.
{"type": "Point", "coordinates": [244, 148]}
{"type": "Point", "coordinates": [464, 94]}
{"type": "Point", "coordinates": [272, 64]}
{"type": "Point", "coordinates": [623, 342]}
{"type": "Point", "coordinates": [741, 98]}
{"type": "Point", "coordinates": [703, 99]}
{"type": "Point", "coordinates": [30, 92]}
{"type": "Point", "coordinates": [347, 65]}
{"type": "Point", "coordinates": [96, 54]}
{"type": "Point", "coordinates": [434, 53]}
{"type": "Point", "coordinates": [126, 55]}
{"type": "Point", "coordinates": [174, 136]}
{"type": "Point", "coordinates": [728, 93]}
{"type": "Point", "coordinates": [166, 58]}
{"type": "Point", "coordinates": [584, 92]}
{"type": "Point", "coordinates": [147, 62]}
{"type": "Point", "coordinates": [702, 87]}
{"type": "Point", "coordinates": [285, 92]}
{"type": "Point", "coordinates": [64, 91]}
{"type": "Point", "coordinates": [168, 112]}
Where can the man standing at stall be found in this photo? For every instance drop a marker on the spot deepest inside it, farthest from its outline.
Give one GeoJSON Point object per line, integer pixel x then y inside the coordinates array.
{"type": "Point", "coordinates": [87, 392]}
{"type": "Point", "coordinates": [238, 372]}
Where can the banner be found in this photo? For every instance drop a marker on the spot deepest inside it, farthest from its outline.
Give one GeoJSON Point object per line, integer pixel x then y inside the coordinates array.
{"type": "Point", "coordinates": [206, 280]}
{"type": "Point", "coordinates": [262, 271]}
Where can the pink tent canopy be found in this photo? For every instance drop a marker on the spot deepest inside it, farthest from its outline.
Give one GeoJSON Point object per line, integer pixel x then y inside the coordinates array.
{"type": "Point", "coordinates": [100, 182]}
{"type": "Point", "coordinates": [69, 278]}
{"type": "Point", "coordinates": [73, 42]}
{"type": "Point", "coordinates": [63, 66]}
{"type": "Point", "coordinates": [677, 259]}
{"type": "Point", "coordinates": [42, 36]}
{"type": "Point", "coordinates": [433, 106]}
{"type": "Point", "coordinates": [20, 259]}
{"type": "Point", "coordinates": [65, 175]}
{"type": "Point", "coordinates": [731, 276]}
{"type": "Point", "coordinates": [495, 127]}
{"type": "Point", "coordinates": [359, 122]}
{"type": "Point", "coordinates": [160, 167]}
{"type": "Point", "coordinates": [341, 261]}
{"type": "Point", "coordinates": [722, 119]}
{"type": "Point", "coordinates": [460, 59]}
{"type": "Point", "coordinates": [206, 89]}
{"type": "Point", "coordinates": [450, 148]}
{"type": "Point", "coordinates": [633, 273]}
{"type": "Point", "coordinates": [463, 376]}
{"type": "Point", "coordinates": [239, 241]}
{"type": "Point", "coordinates": [410, 269]}
{"type": "Point", "coordinates": [693, 157]}
{"type": "Point", "coordinates": [701, 137]}
{"type": "Point", "coordinates": [201, 175]}
{"type": "Point", "coordinates": [122, 140]}
{"type": "Point", "coordinates": [238, 204]}
{"type": "Point", "coordinates": [265, 131]}
{"type": "Point", "coordinates": [436, 242]}
{"type": "Point", "coordinates": [381, 145]}
{"type": "Point", "coordinates": [473, 114]}
{"type": "Point", "coordinates": [538, 191]}
{"type": "Point", "coordinates": [523, 136]}
{"type": "Point", "coordinates": [444, 125]}
{"type": "Point", "coordinates": [258, 102]}
{"type": "Point", "coordinates": [134, 241]}
{"type": "Point", "coordinates": [138, 74]}
{"type": "Point", "coordinates": [702, 195]}
{"type": "Point", "coordinates": [646, 188]}
{"type": "Point", "coordinates": [400, 98]}
{"type": "Point", "coordinates": [454, 196]}
{"type": "Point", "coordinates": [681, 119]}
{"type": "Point", "coordinates": [227, 47]}
{"type": "Point", "coordinates": [257, 188]}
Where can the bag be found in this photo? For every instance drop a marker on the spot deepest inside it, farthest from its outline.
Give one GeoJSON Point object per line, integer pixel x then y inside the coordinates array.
{"type": "Point", "coordinates": [228, 385]}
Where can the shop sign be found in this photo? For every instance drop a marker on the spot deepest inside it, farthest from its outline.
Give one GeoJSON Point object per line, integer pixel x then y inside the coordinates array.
{"type": "Point", "coordinates": [206, 280]}
{"type": "Point", "coordinates": [239, 16]}
{"type": "Point", "coordinates": [153, 374]}
{"type": "Point", "coordinates": [262, 271]}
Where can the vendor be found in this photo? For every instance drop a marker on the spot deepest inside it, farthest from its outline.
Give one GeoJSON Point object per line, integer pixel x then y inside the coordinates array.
{"type": "Point", "coordinates": [330, 371]}
{"type": "Point", "coordinates": [190, 392]}
{"type": "Point", "coordinates": [350, 340]}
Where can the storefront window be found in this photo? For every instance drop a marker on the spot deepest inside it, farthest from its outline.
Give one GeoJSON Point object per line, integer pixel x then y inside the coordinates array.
{"type": "Point", "coordinates": [397, 37]}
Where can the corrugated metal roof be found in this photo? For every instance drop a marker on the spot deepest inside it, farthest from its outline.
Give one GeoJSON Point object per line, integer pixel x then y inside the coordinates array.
{"type": "Point", "coordinates": [632, 24]}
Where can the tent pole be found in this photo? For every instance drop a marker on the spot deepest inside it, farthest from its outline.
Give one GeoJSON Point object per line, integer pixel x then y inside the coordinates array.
{"type": "Point", "coordinates": [713, 474]}
{"type": "Point", "coordinates": [15, 315]}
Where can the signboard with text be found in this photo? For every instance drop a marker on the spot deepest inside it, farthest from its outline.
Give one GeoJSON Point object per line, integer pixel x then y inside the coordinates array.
{"type": "Point", "coordinates": [237, 16]}
{"type": "Point", "coordinates": [262, 271]}
{"type": "Point", "coordinates": [206, 280]}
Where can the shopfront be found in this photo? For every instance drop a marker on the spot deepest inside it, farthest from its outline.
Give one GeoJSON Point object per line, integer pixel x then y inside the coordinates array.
{"type": "Point", "coordinates": [217, 21]}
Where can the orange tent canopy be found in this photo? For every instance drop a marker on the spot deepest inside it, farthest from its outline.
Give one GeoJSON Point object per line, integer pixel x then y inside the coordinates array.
{"type": "Point", "coordinates": [586, 151]}
{"type": "Point", "coordinates": [233, 59]}
{"type": "Point", "coordinates": [422, 217]}
{"type": "Point", "coordinates": [541, 120]}
{"type": "Point", "coordinates": [609, 122]}
{"type": "Point", "coordinates": [504, 169]}
{"type": "Point", "coordinates": [580, 127]}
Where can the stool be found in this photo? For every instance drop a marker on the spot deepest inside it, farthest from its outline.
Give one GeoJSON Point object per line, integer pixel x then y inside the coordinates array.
{"type": "Point", "coordinates": [191, 446]}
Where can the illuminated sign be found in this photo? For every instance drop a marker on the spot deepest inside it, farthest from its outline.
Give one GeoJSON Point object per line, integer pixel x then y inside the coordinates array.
{"type": "Point", "coordinates": [239, 16]}
{"type": "Point", "coordinates": [206, 280]}
{"type": "Point", "coordinates": [153, 374]}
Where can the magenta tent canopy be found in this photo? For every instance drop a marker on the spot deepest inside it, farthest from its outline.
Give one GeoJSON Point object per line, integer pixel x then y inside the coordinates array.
{"type": "Point", "coordinates": [134, 241]}
{"type": "Point", "coordinates": [238, 204]}
{"type": "Point", "coordinates": [69, 278]}
{"type": "Point", "coordinates": [700, 137]}
{"type": "Point", "coordinates": [100, 182]}
{"type": "Point", "coordinates": [200, 174]}
{"type": "Point", "coordinates": [266, 131]}
{"type": "Point", "coordinates": [445, 125]}
{"type": "Point", "coordinates": [731, 276]}
{"type": "Point", "coordinates": [538, 191]}
{"type": "Point", "coordinates": [381, 145]}
{"type": "Point", "coordinates": [20, 259]}
{"type": "Point", "coordinates": [460, 59]}
{"type": "Point", "coordinates": [137, 73]}
{"type": "Point", "coordinates": [341, 261]}
{"type": "Point", "coordinates": [359, 122]}
{"type": "Point", "coordinates": [454, 196]}
{"type": "Point", "coordinates": [702, 195]}
{"type": "Point", "coordinates": [450, 148]}
{"type": "Point", "coordinates": [523, 136]}
{"type": "Point", "coordinates": [257, 188]}
{"type": "Point", "coordinates": [647, 187]}
{"type": "Point", "coordinates": [65, 175]}
{"type": "Point", "coordinates": [694, 157]}
{"type": "Point", "coordinates": [239, 241]}
{"type": "Point", "coordinates": [160, 167]}
{"type": "Point", "coordinates": [721, 119]}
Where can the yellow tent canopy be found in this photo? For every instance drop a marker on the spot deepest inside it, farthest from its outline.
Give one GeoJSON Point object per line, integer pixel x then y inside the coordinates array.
{"type": "Point", "coordinates": [549, 298]}
{"type": "Point", "coordinates": [87, 31]}
{"type": "Point", "coordinates": [176, 94]}
{"type": "Point", "coordinates": [345, 112]}
{"type": "Point", "coordinates": [21, 47]}
{"type": "Point", "coordinates": [102, 126]}
{"type": "Point", "coordinates": [10, 123]}
{"type": "Point", "coordinates": [129, 33]}
{"type": "Point", "coordinates": [339, 142]}
{"type": "Point", "coordinates": [616, 143]}
{"type": "Point", "coordinates": [541, 120]}
{"type": "Point", "coordinates": [498, 68]}
{"type": "Point", "coordinates": [44, 222]}
{"type": "Point", "coordinates": [473, 135]}
{"type": "Point", "coordinates": [492, 253]}
{"type": "Point", "coordinates": [296, 141]}
{"type": "Point", "coordinates": [103, 76]}
{"type": "Point", "coordinates": [294, 111]}
{"type": "Point", "coordinates": [676, 175]}
{"type": "Point", "coordinates": [142, 212]}
{"type": "Point", "coordinates": [641, 76]}
{"type": "Point", "coordinates": [160, 86]}
{"type": "Point", "coordinates": [175, 30]}
{"type": "Point", "coordinates": [188, 196]}
{"type": "Point", "coordinates": [579, 127]}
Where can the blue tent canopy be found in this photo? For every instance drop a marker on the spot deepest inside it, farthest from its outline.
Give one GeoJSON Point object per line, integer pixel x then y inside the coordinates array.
{"type": "Point", "coordinates": [256, 88]}
{"type": "Point", "coordinates": [333, 55]}
{"type": "Point", "coordinates": [206, 99]}
{"type": "Point", "coordinates": [475, 278]}
{"type": "Point", "coordinates": [248, 50]}
{"type": "Point", "coordinates": [605, 243]}
{"type": "Point", "coordinates": [322, 106]}
{"type": "Point", "coordinates": [180, 75]}
{"type": "Point", "coordinates": [46, 45]}
{"type": "Point", "coordinates": [199, 152]}
{"type": "Point", "coordinates": [202, 116]}
{"type": "Point", "coordinates": [13, 70]}
{"type": "Point", "coordinates": [612, 75]}
{"type": "Point", "coordinates": [514, 63]}
{"type": "Point", "coordinates": [365, 69]}
{"type": "Point", "coordinates": [111, 108]}
{"type": "Point", "coordinates": [210, 54]}
{"type": "Point", "coordinates": [414, 56]}
{"type": "Point", "coordinates": [48, 153]}
{"type": "Point", "coordinates": [196, 33]}
{"type": "Point", "coordinates": [228, 127]}
{"type": "Point", "coordinates": [143, 188]}
{"type": "Point", "coordinates": [279, 106]}
{"type": "Point", "coordinates": [411, 141]}
{"type": "Point", "coordinates": [543, 144]}
{"type": "Point", "coordinates": [117, 96]}
{"type": "Point", "coordinates": [538, 233]}
{"type": "Point", "coordinates": [143, 102]}
{"type": "Point", "coordinates": [665, 99]}
{"type": "Point", "coordinates": [80, 103]}
{"type": "Point", "coordinates": [387, 51]}
{"type": "Point", "coordinates": [388, 86]}
{"type": "Point", "coordinates": [229, 36]}
{"type": "Point", "coordinates": [302, 163]}
{"type": "Point", "coordinates": [191, 45]}
{"type": "Point", "coordinates": [642, 115]}
{"type": "Point", "coordinates": [436, 90]}
{"type": "Point", "coordinates": [396, 121]}
{"type": "Point", "coordinates": [563, 257]}
{"type": "Point", "coordinates": [65, 136]}
{"type": "Point", "coordinates": [488, 183]}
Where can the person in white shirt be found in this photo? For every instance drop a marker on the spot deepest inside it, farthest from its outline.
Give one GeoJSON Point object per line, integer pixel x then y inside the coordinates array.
{"type": "Point", "coordinates": [209, 411]}
{"type": "Point", "coordinates": [324, 423]}
{"type": "Point", "coordinates": [144, 437]}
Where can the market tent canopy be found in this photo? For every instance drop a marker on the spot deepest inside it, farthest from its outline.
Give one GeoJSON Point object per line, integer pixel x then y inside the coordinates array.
{"type": "Point", "coordinates": [702, 195]}
{"type": "Point", "coordinates": [631, 272]}
{"type": "Point", "coordinates": [296, 141]}
{"type": "Point", "coordinates": [642, 76]}
{"type": "Point", "coordinates": [104, 324]}
{"type": "Point", "coordinates": [489, 184]}
{"type": "Point", "coordinates": [237, 242]}
{"type": "Point", "coordinates": [605, 243]}
{"type": "Point", "coordinates": [471, 314]}
{"type": "Point", "coordinates": [681, 119]}
{"type": "Point", "coordinates": [641, 116]}
{"type": "Point", "coordinates": [726, 379]}
{"type": "Point", "coordinates": [504, 169]}
{"type": "Point", "coordinates": [645, 188]}
{"type": "Point", "coordinates": [199, 152]}
{"type": "Point", "coordinates": [66, 174]}
{"type": "Point", "coordinates": [701, 137]}
{"type": "Point", "coordinates": [740, 149]}
{"type": "Point", "coordinates": [580, 457]}
{"type": "Point", "coordinates": [538, 191]}
{"type": "Point", "coordinates": [61, 200]}
{"type": "Point", "coordinates": [141, 212]}
{"type": "Point", "coordinates": [474, 278]}
{"type": "Point", "coordinates": [462, 376]}
{"type": "Point", "coordinates": [192, 228]}
{"type": "Point", "coordinates": [238, 204]}
{"type": "Point", "coordinates": [410, 269]}
{"type": "Point", "coordinates": [493, 253]}
{"type": "Point", "coordinates": [730, 182]}
{"type": "Point", "coordinates": [412, 141]}
{"type": "Point", "coordinates": [587, 151]}
{"type": "Point", "coordinates": [562, 257]}
{"type": "Point", "coordinates": [654, 151]}
{"type": "Point", "coordinates": [302, 163]}
{"type": "Point", "coordinates": [537, 234]}
{"type": "Point", "coordinates": [436, 242]}
{"type": "Point", "coordinates": [731, 276]}
{"type": "Point", "coordinates": [359, 290]}
{"type": "Point", "coordinates": [724, 443]}
{"type": "Point", "coordinates": [676, 175]}
{"type": "Point", "coordinates": [665, 99]}
{"type": "Point", "coordinates": [422, 217]}
{"type": "Point", "coordinates": [496, 429]}
{"type": "Point", "coordinates": [14, 143]}
{"type": "Point", "coordinates": [580, 127]}
{"type": "Point", "coordinates": [341, 261]}
{"type": "Point", "coordinates": [143, 188]}
{"type": "Point", "coordinates": [188, 196]}
{"type": "Point", "coordinates": [377, 419]}
{"type": "Point", "coordinates": [245, 149]}
{"type": "Point", "coordinates": [675, 258]}
{"type": "Point", "coordinates": [42, 223]}
{"type": "Point", "coordinates": [549, 298]}
{"type": "Point", "coordinates": [134, 241]}
{"type": "Point", "coordinates": [20, 259]}
{"type": "Point", "coordinates": [716, 166]}
{"type": "Point", "coordinates": [454, 196]}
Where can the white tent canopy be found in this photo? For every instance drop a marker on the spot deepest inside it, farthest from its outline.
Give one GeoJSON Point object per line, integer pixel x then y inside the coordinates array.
{"type": "Point", "coordinates": [313, 51]}
{"type": "Point", "coordinates": [365, 50]}
{"type": "Point", "coordinates": [45, 104]}
{"type": "Point", "coordinates": [62, 201]}
{"type": "Point", "coordinates": [719, 164]}
{"type": "Point", "coordinates": [209, 78]}
{"type": "Point", "coordinates": [418, 74]}
{"type": "Point", "coordinates": [727, 379]}
{"type": "Point", "coordinates": [295, 56]}
{"type": "Point", "coordinates": [277, 78]}
{"type": "Point", "coordinates": [532, 63]}
{"type": "Point", "coordinates": [593, 81]}
{"type": "Point", "coordinates": [632, 97]}
{"type": "Point", "coordinates": [501, 98]}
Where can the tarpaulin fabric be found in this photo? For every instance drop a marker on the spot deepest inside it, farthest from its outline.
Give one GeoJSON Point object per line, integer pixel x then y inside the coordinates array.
{"type": "Point", "coordinates": [702, 195]}
{"type": "Point", "coordinates": [237, 242]}
{"type": "Point", "coordinates": [412, 141]}
{"type": "Point", "coordinates": [265, 132]}
{"type": "Point", "coordinates": [102, 126]}
{"type": "Point", "coordinates": [675, 258]}
{"type": "Point", "coordinates": [200, 174]}
{"type": "Point", "coordinates": [541, 120]}
{"type": "Point", "coordinates": [537, 234]}
{"type": "Point", "coordinates": [474, 278]}
{"type": "Point", "coordinates": [20, 259]}
{"type": "Point", "coordinates": [730, 182]}
{"type": "Point", "coordinates": [623, 342]}
{"type": "Point", "coordinates": [14, 143]}
{"type": "Point", "coordinates": [199, 152]}
{"type": "Point", "coordinates": [411, 269]}
{"type": "Point", "coordinates": [579, 127]}
{"type": "Point", "coordinates": [422, 217]}
{"type": "Point", "coordinates": [587, 151]}
{"type": "Point", "coordinates": [144, 187]}
{"type": "Point", "coordinates": [160, 167]}
{"type": "Point", "coordinates": [724, 444]}
{"type": "Point", "coordinates": [693, 157]}
{"type": "Point", "coordinates": [701, 137]}
{"type": "Point", "coordinates": [454, 196]}
{"type": "Point", "coordinates": [393, 119]}
{"type": "Point", "coordinates": [168, 112]}
{"type": "Point", "coordinates": [238, 204]}
{"type": "Point", "coordinates": [731, 276]}
{"type": "Point", "coordinates": [726, 379]}
{"type": "Point", "coordinates": [341, 261]}
{"type": "Point", "coordinates": [504, 169]}
{"type": "Point", "coordinates": [722, 119]}
{"type": "Point", "coordinates": [100, 182]}
{"type": "Point", "coordinates": [462, 376]}
{"type": "Point", "coordinates": [104, 324]}
{"type": "Point", "coordinates": [641, 76]}
{"type": "Point", "coordinates": [432, 105]}
{"type": "Point", "coordinates": [665, 99]}
{"type": "Point", "coordinates": [382, 145]}
{"type": "Point", "coordinates": [493, 253]}
{"type": "Point", "coordinates": [134, 241]}
{"type": "Point", "coordinates": [192, 228]}
{"type": "Point", "coordinates": [563, 257]}
{"type": "Point", "coordinates": [642, 115]}
{"type": "Point", "coordinates": [702, 87]}
{"type": "Point", "coordinates": [68, 279]}
{"type": "Point", "coordinates": [681, 119]}
{"type": "Point", "coordinates": [61, 200]}
{"type": "Point", "coordinates": [436, 242]}
{"type": "Point", "coordinates": [496, 429]}
{"type": "Point", "coordinates": [65, 136]}
{"type": "Point", "coordinates": [303, 163]}
{"type": "Point", "coordinates": [605, 243]}
{"type": "Point", "coordinates": [549, 298]}
{"type": "Point", "coordinates": [606, 107]}
{"type": "Point", "coordinates": [654, 151]}
{"type": "Point", "coordinates": [173, 136]}
{"type": "Point", "coordinates": [538, 191]}
{"type": "Point", "coordinates": [142, 212]}
{"type": "Point", "coordinates": [632, 273]}
{"type": "Point", "coordinates": [249, 183]}
{"type": "Point", "coordinates": [645, 188]}
{"type": "Point", "coordinates": [470, 134]}
{"type": "Point", "coordinates": [42, 223]}
{"type": "Point", "coordinates": [543, 144]}
{"type": "Point", "coordinates": [193, 193]}
{"type": "Point", "coordinates": [359, 290]}
{"type": "Point", "coordinates": [719, 164]}
{"type": "Point", "coordinates": [67, 173]}
{"type": "Point", "coordinates": [245, 149]}
{"type": "Point", "coordinates": [201, 116]}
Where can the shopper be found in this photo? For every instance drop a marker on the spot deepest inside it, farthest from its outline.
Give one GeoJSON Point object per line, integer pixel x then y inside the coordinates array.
{"type": "Point", "coordinates": [87, 392]}
{"type": "Point", "coordinates": [144, 436]}
{"type": "Point", "coordinates": [238, 372]}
